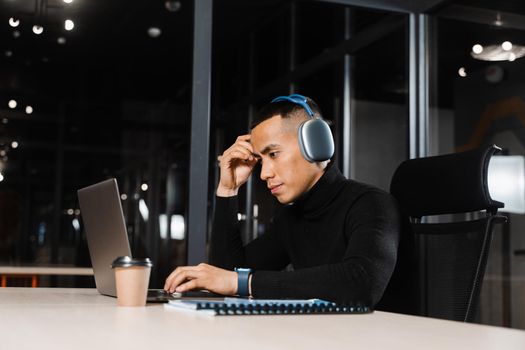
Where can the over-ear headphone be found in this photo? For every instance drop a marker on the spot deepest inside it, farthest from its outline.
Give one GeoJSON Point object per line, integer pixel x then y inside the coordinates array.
{"type": "Point", "coordinates": [314, 135]}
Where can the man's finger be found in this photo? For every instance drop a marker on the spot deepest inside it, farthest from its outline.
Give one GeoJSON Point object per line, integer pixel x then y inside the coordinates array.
{"type": "Point", "coordinates": [242, 141]}
{"type": "Point", "coordinates": [193, 284]}
{"type": "Point", "coordinates": [240, 155]}
{"type": "Point", "coordinates": [246, 137]}
{"type": "Point", "coordinates": [176, 276]}
{"type": "Point", "coordinates": [238, 148]}
{"type": "Point", "coordinates": [170, 277]}
{"type": "Point", "coordinates": [182, 277]}
{"type": "Point", "coordinates": [246, 145]}
{"type": "Point", "coordinates": [232, 157]}
{"type": "Point", "coordinates": [179, 270]}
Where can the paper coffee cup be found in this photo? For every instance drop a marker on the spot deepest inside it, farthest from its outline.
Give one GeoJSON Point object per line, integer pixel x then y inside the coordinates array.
{"type": "Point", "coordinates": [132, 280]}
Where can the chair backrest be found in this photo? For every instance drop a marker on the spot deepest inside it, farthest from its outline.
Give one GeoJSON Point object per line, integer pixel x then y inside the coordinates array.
{"type": "Point", "coordinates": [446, 260]}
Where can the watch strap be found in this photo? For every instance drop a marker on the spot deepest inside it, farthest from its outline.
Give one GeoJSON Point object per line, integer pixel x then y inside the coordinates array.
{"type": "Point", "coordinates": [243, 278]}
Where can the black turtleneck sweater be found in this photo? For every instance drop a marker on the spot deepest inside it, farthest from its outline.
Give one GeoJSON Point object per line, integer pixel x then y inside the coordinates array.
{"type": "Point", "coordinates": [341, 238]}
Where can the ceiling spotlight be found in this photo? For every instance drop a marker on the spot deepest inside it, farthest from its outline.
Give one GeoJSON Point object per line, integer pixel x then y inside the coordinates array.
{"type": "Point", "coordinates": [172, 6]}
{"type": "Point", "coordinates": [68, 1]}
{"type": "Point", "coordinates": [1, 177]}
{"type": "Point", "coordinates": [462, 72]}
{"type": "Point", "coordinates": [507, 46]}
{"type": "Point", "coordinates": [38, 29]}
{"type": "Point", "coordinates": [29, 109]}
{"type": "Point", "coordinates": [12, 104]}
{"type": "Point", "coordinates": [16, 34]}
{"type": "Point", "coordinates": [14, 22]}
{"type": "Point", "coordinates": [144, 187]}
{"type": "Point", "coordinates": [69, 24]}
{"type": "Point", "coordinates": [123, 196]}
{"type": "Point", "coordinates": [477, 49]}
{"type": "Point", "coordinates": [154, 32]}
{"type": "Point", "coordinates": [9, 53]}
{"type": "Point", "coordinates": [14, 145]}
{"type": "Point", "coordinates": [61, 40]}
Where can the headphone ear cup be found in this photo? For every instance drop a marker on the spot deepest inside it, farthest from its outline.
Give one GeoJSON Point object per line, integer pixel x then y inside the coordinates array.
{"type": "Point", "coordinates": [315, 140]}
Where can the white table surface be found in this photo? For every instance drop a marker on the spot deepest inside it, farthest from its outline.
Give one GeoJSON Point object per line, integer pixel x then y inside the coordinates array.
{"type": "Point", "coordinates": [53, 318]}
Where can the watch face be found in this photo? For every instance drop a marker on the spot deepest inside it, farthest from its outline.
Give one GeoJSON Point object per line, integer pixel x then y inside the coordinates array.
{"type": "Point", "coordinates": [242, 269]}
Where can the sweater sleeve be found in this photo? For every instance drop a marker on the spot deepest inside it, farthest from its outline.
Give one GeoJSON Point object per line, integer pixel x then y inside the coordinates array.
{"type": "Point", "coordinates": [226, 247]}
{"type": "Point", "coordinates": [372, 228]}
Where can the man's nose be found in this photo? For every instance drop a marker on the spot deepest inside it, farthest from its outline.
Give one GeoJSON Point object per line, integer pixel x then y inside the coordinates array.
{"type": "Point", "coordinates": [266, 171]}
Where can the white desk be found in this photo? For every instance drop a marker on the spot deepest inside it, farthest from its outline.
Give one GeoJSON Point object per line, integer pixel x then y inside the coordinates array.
{"type": "Point", "coordinates": [48, 318]}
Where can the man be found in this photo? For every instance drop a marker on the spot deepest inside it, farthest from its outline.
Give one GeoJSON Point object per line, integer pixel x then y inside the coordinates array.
{"type": "Point", "coordinates": [340, 236]}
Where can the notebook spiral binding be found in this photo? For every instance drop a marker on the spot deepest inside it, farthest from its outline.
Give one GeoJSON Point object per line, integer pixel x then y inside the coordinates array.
{"type": "Point", "coordinates": [223, 309]}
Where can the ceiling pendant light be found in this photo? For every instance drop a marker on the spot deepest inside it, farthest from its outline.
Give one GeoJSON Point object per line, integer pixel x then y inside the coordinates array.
{"type": "Point", "coordinates": [154, 32]}
{"type": "Point", "coordinates": [38, 29]}
{"type": "Point", "coordinates": [69, 24]}
{"type": "Point", "coordinates": [172, 6]}
{"type": "Point", "coordinates": [505, 51]}
{"type": "Point", "coordinates": [14, 22]}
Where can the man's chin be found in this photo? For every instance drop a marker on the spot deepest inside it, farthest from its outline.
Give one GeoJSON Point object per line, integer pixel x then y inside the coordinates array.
{"type": "Point", "coordinates": [284, 199]}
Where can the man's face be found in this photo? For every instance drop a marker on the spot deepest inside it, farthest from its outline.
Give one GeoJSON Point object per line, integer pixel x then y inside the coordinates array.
{"type": "Point", "coordinates": [287, 174]}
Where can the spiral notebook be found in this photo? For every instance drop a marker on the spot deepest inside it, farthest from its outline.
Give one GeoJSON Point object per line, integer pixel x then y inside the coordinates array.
{"type": "Point", "coordinates": [242, 306]}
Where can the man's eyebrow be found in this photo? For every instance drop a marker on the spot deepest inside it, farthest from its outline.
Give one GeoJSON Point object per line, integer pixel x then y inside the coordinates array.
{"type": "Point", "coordinates": [266, 150]}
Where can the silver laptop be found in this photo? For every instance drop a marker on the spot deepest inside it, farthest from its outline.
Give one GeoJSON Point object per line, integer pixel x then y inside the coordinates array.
{"type": "Point", "coordinates": [106, 232]}
{"type": "Point", "coordinates": [107, 238]}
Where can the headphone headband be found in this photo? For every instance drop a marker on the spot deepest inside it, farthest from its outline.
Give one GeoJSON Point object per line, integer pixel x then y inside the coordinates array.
{"type": "Point", "coordinates": [295, 99]}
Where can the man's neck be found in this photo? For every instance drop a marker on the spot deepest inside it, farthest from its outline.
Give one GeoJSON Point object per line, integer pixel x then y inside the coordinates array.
{"type": "Point", "coordinates": [323, 166]}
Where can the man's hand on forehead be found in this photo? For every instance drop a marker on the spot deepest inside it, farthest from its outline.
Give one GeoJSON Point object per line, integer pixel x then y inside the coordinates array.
{"type": "Point", "coordinates": [236, 164]}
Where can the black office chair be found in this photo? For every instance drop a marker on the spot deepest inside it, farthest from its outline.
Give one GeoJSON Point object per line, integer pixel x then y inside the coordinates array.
{"type": "Point", "coordinates": [444, 262]}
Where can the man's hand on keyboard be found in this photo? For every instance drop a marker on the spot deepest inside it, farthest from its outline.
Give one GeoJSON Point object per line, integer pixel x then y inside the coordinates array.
{"type": "Point", "coordinates": [202, 276]}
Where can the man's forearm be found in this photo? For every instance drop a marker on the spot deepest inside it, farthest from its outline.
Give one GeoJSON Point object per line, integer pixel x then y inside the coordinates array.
{"type": "Point", "coordinates": [345, 282]}
{"type": "Point", "coordinates": [226, 246]}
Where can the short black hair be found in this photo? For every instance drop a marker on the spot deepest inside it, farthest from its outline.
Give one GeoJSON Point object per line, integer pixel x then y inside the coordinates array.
{"type": "Point", "coordinates": [286, 110]}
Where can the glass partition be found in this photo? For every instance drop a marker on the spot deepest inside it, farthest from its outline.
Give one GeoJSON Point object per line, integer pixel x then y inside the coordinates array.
{"type": "Point", "coordinates": [479, 99]}
{"type": "Point", "coordinates": [105, 95]}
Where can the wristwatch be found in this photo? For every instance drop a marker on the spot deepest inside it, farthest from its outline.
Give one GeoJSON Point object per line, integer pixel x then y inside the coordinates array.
{"type": "Point", "coordinates": [243, 278]}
